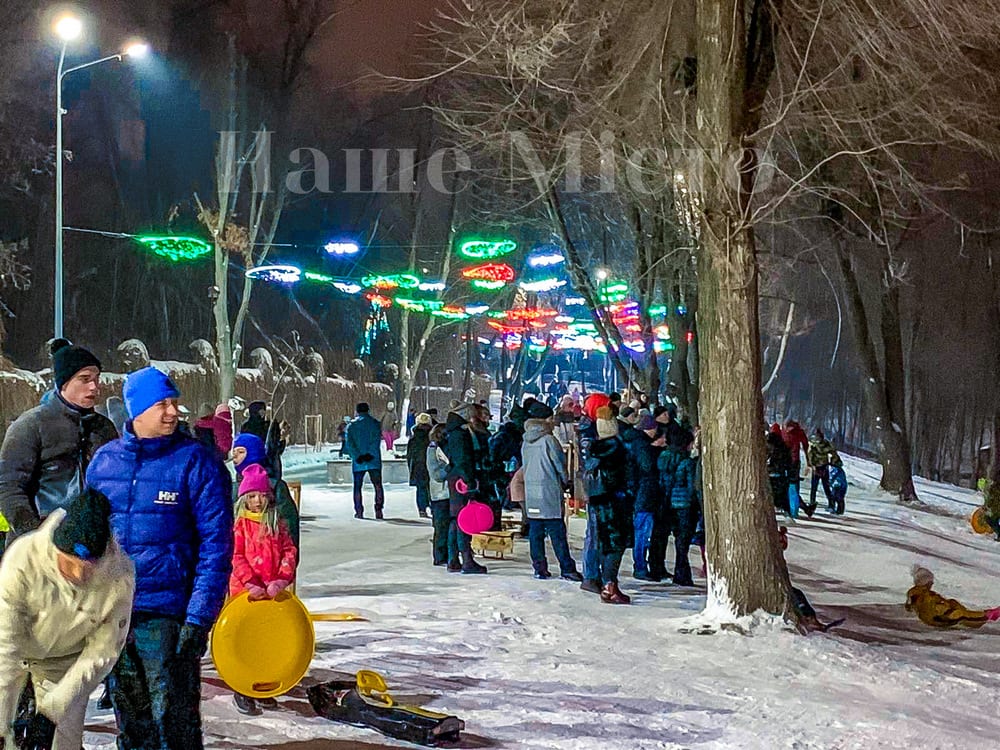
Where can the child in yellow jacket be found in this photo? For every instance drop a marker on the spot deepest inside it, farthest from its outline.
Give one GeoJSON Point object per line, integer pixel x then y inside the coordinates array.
{"type": "Point", "coordinates": [934, 609]}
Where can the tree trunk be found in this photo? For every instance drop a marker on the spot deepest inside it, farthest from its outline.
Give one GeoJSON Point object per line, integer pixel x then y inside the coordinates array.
{"type": "Point", "coordinates": [897, 472]}
{"type": "Point", "coordinates": [892, 447]}
{"type": "Point", "coordinates": [746, 569]}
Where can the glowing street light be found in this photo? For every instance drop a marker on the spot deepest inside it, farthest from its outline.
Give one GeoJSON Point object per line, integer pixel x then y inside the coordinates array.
{"type": "Point", "coordinates": [69, 28]}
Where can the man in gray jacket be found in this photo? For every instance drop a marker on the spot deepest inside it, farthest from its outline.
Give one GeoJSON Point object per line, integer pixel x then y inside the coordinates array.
{"type": "Point", "coordinates": [545, 477]}
{"type": "Point", "coordinates": [46, 451]}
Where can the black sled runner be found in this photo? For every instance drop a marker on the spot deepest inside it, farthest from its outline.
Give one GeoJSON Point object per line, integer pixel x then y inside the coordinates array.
{"type": "Point", "coordinates": [367, 703]}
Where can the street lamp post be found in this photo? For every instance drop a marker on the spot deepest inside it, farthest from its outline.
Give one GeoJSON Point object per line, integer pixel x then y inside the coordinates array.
{"type": "Point", "coordinates": [69, 28]}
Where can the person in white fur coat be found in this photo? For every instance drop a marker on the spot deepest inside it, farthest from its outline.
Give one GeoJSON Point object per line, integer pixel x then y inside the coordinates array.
{"type": "Point", "coordinates": [65, 604]}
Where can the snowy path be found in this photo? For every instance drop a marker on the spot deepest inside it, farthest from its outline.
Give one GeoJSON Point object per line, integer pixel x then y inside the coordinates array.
{"type": "Point", "coordinates": [540, 664]}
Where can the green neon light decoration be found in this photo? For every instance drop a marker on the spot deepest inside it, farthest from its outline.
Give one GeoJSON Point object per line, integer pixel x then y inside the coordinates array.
{"type": "Point", "coordinates": [419, 305]}
{"type": "Point", "coordinates": [487, 286]}
{"type": "Point", "coordinates": [657, 310]}
{"type": "Point", "coordinates": [176, 249]}
{"type": "Point", "coordinates": [313, 276]}
{"type": "Point", "coordinates": [451, 313]}
{"type": "Point", "coordinates": [486, 249]}
{"type": "Point", "coordinates": [612, 291]}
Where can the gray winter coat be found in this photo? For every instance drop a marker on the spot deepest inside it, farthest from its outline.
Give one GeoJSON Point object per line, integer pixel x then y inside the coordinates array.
{"type": "Point", "coordinates": [43, 459]}
{"type": "Point", "coordinates": [437, 469]}
{"type": "Point", "coordinates": [544, 471]}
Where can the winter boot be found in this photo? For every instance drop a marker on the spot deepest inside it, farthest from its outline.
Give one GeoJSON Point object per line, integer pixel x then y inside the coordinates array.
{"type": "Point", "coordinates": [572, 575]}
{"type": "Point", "coordinates": [268, 704]}
{"type": "Point", "coordinates": [591, 586]}
{"type": "Point", "coordinates": [246, 705]}
{"type": "Point", "coordinates": [542, 571]}
{"type": "Point", "coordinates": [611, 594]}
{"type": "Point", "coordinates": [454, 566]}
{"type": "Point", "coordinates": [471, 567]}
{"type": "Point", "coordinates": [378, 515]}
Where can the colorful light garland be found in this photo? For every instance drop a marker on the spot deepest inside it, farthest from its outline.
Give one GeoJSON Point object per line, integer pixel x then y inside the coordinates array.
{"type": "Point", "coordinates": [612, 291]}
{"type": "Point", "coordinates": [431, 286]}
{"type": "Point", "coordinates": [486, 249]}
{"type": "Point", "coordinates": [487, 286]}
{"type": "Point", "coordinates": [545, 256]}
{"type": "Point", "coordinates": [378, 300]}
{"type": "Point", "coordinates": [450, 312]}
{"type": "Point", "coordinates": [490, 272]}
{"type": "Point", "coordinates": [530, 313]}
{"type": "Point", "coordinates": [176, 249]}
{"type": "Point", "coordinates": [391, 281]}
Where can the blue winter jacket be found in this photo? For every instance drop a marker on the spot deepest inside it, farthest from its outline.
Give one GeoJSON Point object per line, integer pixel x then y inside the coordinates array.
{"type": "Point", "coordinates": [364, 438]}
{"type": "Point", "coordinates": [172, 512]}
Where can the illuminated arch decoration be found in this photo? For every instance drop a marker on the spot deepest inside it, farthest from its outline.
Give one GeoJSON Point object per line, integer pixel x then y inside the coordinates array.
{"type": "Point", "coordinates": [276, 274]}
{"type": "Point", "coordinates": [391, 281]}
{"type": "Point", "coordinates": [176, 249]}
{"type": "Point", "coordinates": [486, 249]}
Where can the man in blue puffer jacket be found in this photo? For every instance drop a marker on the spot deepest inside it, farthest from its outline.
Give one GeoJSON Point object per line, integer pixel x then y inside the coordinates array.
{"type": "Point", "coordinates": [171, 511]}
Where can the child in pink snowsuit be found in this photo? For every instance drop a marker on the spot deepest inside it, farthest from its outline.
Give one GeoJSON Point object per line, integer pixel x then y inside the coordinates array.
{"type": "Point", "coordinates": [264, 555]}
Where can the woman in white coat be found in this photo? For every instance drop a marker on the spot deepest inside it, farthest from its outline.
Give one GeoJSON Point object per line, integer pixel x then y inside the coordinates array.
{"type": "Point", "coordinates": [65, 604]}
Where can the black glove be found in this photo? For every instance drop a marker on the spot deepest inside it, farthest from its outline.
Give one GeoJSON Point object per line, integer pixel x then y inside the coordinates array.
{"type": "Point", "coordinates": [37, 733]}
{"type": "Point", "coordinates": [192, 641]}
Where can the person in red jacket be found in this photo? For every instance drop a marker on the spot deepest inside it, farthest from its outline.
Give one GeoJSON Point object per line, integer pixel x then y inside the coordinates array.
{"type": "Point", "coordinates": [264, 555]}
{"type": "Point", "coordinates": [798, 443]}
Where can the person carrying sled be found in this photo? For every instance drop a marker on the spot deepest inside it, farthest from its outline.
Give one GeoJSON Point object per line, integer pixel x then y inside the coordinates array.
{"type": "Point", "coordinates": [65, 604]}
{"type": "Point", "coordinates": [264, 556]}
{"type": "Point", "coordinates": [823, 459]}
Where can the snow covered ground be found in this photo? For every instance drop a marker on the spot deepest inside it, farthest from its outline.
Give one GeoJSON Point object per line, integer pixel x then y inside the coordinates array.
{"type": "Point", "coordinates": [540, 664]}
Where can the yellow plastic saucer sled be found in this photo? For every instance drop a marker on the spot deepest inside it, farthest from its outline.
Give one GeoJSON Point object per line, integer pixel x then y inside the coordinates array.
{"type": "Point", "coordinates": [263, 648]}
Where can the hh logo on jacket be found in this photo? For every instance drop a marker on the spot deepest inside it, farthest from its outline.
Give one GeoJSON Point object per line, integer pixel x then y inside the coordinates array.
{"type": "Point", "coordinates": [167, 498]}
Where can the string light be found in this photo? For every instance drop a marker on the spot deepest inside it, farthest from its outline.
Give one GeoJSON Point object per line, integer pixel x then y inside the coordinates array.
{"type": "Point", "coordinates": [612, 291]}
{"type": "Point", "coordinates": [530, 313]}
{"type": "Point", "coordinates": [545, 256]}
{"type": "Point", "coordinates": [276, 274]}
{"type": "Point", "coordinates": [488, 286]}
{"type": "Point", "coordinates": [391, 281]}
{"type": "Point", "coordinates": [347, 287]}
{"type": "Point", "coordinates": [378, 300]}
{"type": "Point", "coordinates": [431, 286]}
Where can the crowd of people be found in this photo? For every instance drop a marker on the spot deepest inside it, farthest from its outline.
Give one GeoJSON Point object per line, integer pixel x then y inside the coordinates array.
{"type": "Point", "coordinates": [126, 530]}
{"type": "Point", "coordinates": [122, 545]}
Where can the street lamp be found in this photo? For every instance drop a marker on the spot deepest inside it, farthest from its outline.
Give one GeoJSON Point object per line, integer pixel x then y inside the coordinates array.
{"type": "Point", "coordinates": [68, 28]}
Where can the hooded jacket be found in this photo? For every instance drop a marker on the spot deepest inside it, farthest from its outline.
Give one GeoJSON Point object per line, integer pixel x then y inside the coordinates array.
{"type": "Point", "coordinates": [822, 453]}
{"type": "Point", "coordinates": [644, 477]}
{"type": "Point", "coordinates": [172, 512]}
{"type": "Point", "coordinates": [544, 471]}
{"type": "Point", "coordinates": [77, 630]}
{"type": "Point", "coordinates": [44, 456]}
{"type": "Point", "coordinates": [416, 454]}
{"type": "Point", "coordinates": [796, 440]}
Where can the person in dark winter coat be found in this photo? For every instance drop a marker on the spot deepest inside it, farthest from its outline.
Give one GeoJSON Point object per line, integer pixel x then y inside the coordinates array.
{"type": "Point", "coordinates": [364, 444]}
{"type": "Point", "coordinates": [445, 550]}
{"type": "Point", "coordinates": [673, 453]}
{"type": "Point", "coordinates": [609, 511]}
{"type": "Point", "coordinates": [172, 513]}
{"type": "Point", "coordinates": [544, 478]}
{"type": "Point", "coordinates": [460, 450]}
{"type": "Point", "coordinates": [416, 461]}
{"type": "Point", "coordinates": [684, 510]}
{"type": "Point", "coordinates": [644, 483]}
{"type": "Point", "coordinates": [249, 450]}
{"type": "Point", "coordinates": [779, 469]}
{"type": "Point", "coordinates": [46, 451]}
{"type": "Point", "coordinates": [269, 431]}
